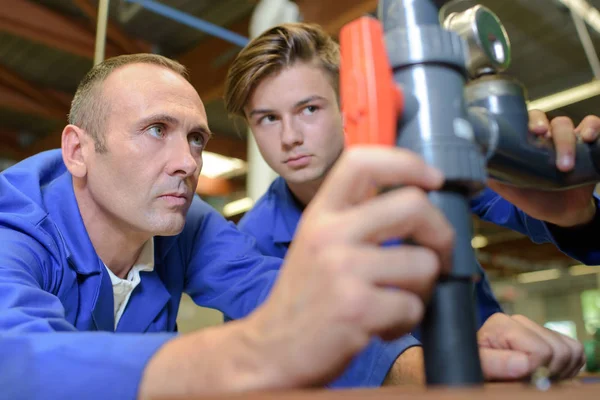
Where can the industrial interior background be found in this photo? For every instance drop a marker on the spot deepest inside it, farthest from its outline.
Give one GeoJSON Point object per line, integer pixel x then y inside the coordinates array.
{"type": "Point", "coordinates": [47, 46]}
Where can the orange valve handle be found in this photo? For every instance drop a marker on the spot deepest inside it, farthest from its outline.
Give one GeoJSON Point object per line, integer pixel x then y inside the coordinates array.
{"type": "Point", "coordinates": [371, 101]}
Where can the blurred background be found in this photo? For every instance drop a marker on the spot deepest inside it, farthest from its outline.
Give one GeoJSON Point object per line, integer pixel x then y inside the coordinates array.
{"type": "Point", "coordinates": [47, 46]}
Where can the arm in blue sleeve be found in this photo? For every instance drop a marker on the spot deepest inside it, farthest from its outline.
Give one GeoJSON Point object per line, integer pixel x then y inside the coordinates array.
{"type": "Point", "coordinates": [579, 243]}
{"type": "Point", "coordinates": [372, 365]}
{"type": "Point", "coordinates": [54, 360]}
{"type": "Point", "coordinates": [226, 272]}
{"type": "Point", "coordinates": [487, 304]}
{"type": "Point", "coordinates": [74, 365]}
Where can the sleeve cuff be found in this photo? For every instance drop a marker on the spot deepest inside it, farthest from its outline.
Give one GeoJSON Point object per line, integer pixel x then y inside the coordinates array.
{"type": "Point", "coordinates": [579, 242]}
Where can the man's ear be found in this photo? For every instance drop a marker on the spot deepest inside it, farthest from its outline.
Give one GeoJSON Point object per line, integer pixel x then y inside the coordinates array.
{"type": "Point", "coordinates": [73, 143]}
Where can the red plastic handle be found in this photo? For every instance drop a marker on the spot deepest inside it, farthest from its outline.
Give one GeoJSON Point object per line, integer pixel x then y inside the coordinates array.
{"type": "Point", "coordinates": [371, 101]}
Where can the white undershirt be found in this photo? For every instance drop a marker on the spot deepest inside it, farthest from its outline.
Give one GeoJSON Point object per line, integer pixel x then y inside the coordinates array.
{"type": "Point", "coordinates": [122, 288]}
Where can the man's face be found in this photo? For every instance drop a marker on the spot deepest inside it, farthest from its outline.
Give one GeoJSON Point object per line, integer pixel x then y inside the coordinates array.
{"type": "Point", "coordinates": [296, 121]}
{"type": "Point", "coordinates": [155, 131]}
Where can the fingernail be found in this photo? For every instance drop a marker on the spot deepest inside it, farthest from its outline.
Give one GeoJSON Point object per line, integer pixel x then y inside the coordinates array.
{"type": "Point", "coordinates": [589, 134]}
{"type": "Point", "coordinates": [518, 366]}
{"type": "Point", "coordinates": [566, 161]}
{"type": "Point", "coordinates": [537, 126]}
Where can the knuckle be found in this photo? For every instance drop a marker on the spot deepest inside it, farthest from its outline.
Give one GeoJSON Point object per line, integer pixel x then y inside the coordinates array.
{"type": "Point", "coordinates": [519, 318]}
{"type": "Point", "coordinates": [592, 120]}
{"type": "Point", "coordinates": [544, 351]}
{"type": "Point", "coordinates": [335, 262]}
{"type": "Point", "coordinates": [320, 233]}
{"type": "Point", "coordinates": [562, 352]}
{"type": "Point", "coordinates": [353, 155]}
{"type": "Point", "coordinates": [428, 261]}
{"type": "Point", "coordinates": [354, 304]}
{"type": "Point", "coordinates": [415, 198]}
{"type": "Point", "coordinates": [415, 309]}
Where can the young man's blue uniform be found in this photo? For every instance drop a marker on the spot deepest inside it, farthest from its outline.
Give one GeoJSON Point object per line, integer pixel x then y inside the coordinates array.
{"type": "Point", "coordinates": [52, 282]}
{"type": "Point", "coordinates": [274, 218]}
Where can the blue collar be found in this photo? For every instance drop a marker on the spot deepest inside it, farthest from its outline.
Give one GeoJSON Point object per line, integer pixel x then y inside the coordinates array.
{"type": "Point", "coordinates": [288, 211]}
{"type": "Point", "coordinates": [62, 207]}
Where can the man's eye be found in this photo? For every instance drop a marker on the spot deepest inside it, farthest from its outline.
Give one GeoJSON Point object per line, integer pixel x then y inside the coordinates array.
{"type": "Point", "coordinates": [267, 119]}
{"type": "Point", "coordinates": [308, 110]}
{"type": "Point", "coordinates": [197, 140]}
{"type": "Point", "coordinates": [157, 131]}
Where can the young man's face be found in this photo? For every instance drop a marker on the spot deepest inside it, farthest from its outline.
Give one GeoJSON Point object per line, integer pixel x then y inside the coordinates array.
{"type": "Point", "coordinates": [296, 121]}
{"type": "Point", "coordinates": [155, 131]}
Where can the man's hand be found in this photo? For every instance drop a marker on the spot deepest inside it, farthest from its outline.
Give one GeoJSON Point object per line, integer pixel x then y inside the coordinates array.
{"type": "Point", "coordinates": [514, 347]}
{"type": "Point", "coordinates": [339, 287]}
{"type": "Point", "coordinates": [567, 208]}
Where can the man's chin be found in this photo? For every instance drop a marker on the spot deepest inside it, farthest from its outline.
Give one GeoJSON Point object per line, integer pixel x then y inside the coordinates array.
{"type": "Point", "coordinates": [170, 225]}
{"type": "Point", "coordinates": [305, 176]}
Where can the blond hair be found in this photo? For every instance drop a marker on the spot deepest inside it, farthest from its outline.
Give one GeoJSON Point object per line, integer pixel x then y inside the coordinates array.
{"type": "Point", "coordinates": [275, 49]}
{"type": "Point", "coordinates": [88, 111]}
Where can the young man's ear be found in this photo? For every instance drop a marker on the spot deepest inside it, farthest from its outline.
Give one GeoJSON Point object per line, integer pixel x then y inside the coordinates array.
{"type": "Point", "coordinates": [73, 141]}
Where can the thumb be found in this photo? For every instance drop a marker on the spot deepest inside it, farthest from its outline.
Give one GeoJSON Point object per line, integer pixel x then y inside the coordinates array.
{"type": "Point", "coordinates": [503, 365]}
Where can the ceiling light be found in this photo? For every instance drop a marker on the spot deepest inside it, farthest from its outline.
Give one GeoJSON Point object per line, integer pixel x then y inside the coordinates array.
{"type": "Point", "coordinates": [218, 166]}
{"type": "Point", "coordinates": [479, 242]}
{"type": "Point", "coordinates": [539, 276]}
{"type": "Point", "coordinates": [237, 207]}
{"type": "Point", "coordinates": [576, 270]}
{"type": "Point", "coordinates": [566, 97]}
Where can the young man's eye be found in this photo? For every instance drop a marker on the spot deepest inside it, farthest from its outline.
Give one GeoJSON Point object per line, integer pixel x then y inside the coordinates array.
{"type": "Point", "coordinates": [308, 110]}
{"type": "Point", "coordinates": [156, 131]}
{"type": "Point", "coordinates": [267, 119]}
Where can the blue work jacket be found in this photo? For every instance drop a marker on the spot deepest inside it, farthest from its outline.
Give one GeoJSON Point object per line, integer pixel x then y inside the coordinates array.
{"type": "Point", "coordinates": [57, 334]}
{"type": "Point", "coordinates": [275, 216]}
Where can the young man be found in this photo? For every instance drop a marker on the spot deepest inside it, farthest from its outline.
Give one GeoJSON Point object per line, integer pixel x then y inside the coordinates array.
{"type": "Point", "coordinates": [105, 234]}
{"type": "Point", "coordinates": [285, 85]}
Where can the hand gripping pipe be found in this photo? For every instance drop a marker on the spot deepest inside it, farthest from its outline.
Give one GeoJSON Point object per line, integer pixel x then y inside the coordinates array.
{"type": "Point", "coordinates": [429, 80]}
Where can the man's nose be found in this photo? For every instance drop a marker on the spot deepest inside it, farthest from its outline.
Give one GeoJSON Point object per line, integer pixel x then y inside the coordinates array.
{"type": "Point", "coordinates": [291, 134]}
{"type": "Point", "coordinates": [182, 161]}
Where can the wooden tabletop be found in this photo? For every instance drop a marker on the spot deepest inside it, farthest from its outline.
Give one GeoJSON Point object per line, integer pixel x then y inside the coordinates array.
{"type": "Point", "coordinates": [581, 389]}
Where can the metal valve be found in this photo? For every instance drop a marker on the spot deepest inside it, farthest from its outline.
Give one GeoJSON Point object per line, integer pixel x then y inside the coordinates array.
{"type": "Point", "coordinates": [487, 40]}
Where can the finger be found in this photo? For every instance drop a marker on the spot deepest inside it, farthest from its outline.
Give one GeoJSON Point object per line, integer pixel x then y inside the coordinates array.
{"type": "Point", "coordinates": [577, 358]}
{"type": "Point", "coordinates": [361, 169]}
{"type": "Point", "coordinates": [393, 313]}
{"type": "Point", "coordinates": [561, 359]}
{"type": "Point", "coordinates": [564, 139]}
{"type": "Point", "coordinates": [504, 365]}
{"type": "Point", "coordinates": [410, 268]}
{"type": "Point", "coordinates": [538, 123]}
{"type": "Point", "coordinates": [504, 332]}
{"type": "Point", "coordinates": [401, 213]}
{"type": "Point", "coordinates": [589, 128]}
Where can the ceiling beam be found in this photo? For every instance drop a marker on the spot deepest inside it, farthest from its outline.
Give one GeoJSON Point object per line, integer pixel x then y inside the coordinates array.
{"type": "Point", "coordinates": [113, 32]}
{"type": "Point", "coordinates": [12, 99]}
{"type": "Point", "coordinates": [208, 78]}
{"type": "Point", "coordinates": [333, 15]}
{"type": "Point", "coordinates": [10, 149]}
{"type": "Point", "coordinates": [40, 24]}
{"type": "Point", "coordinates": [56, 102]}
